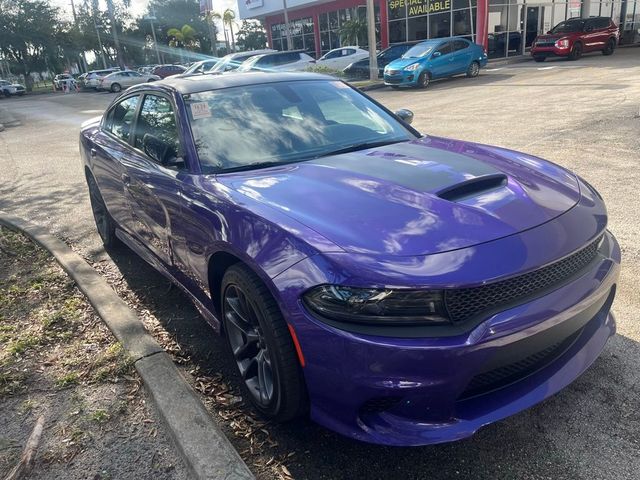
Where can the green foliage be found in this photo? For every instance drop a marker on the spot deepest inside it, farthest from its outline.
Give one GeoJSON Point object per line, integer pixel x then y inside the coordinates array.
{"type": "Point", "coordinates": [251, 36]}
{"type": "Point", "coordinates": [353, 32]}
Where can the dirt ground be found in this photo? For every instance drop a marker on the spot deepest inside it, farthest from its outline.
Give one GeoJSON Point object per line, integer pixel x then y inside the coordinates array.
{"type": "Point", "coordinates": [58, 360]}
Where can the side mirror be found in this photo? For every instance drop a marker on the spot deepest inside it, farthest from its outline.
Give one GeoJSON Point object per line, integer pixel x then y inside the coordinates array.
{"type": "Point", "coordinates": [436, 54]}
{"type": "Point", "coordinates": [405, 115]}
{"type": "Point", "coordinates": [159, 150]}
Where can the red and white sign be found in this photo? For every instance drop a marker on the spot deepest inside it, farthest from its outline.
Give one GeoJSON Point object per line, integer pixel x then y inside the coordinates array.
{"type": "Point", "coordinates": [253, 3]}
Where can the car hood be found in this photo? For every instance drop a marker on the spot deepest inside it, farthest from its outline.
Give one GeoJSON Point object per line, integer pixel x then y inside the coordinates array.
{"type": "Point", "coordinates": [554, 37]}
{"type": "Point", "coordinates": [400, 63]}
{"type": "Point", "coordinates": [414, 198]}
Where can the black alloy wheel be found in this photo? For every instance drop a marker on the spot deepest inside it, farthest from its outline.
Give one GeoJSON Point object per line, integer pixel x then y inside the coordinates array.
{"type": "Point", "coordinates": [104, 223]}
{"type": "Point", "coordinates": [576, 51]}
{"type": "Point", "coordinates": [610, 48]}
{"type": "Point", "coordinates": [262, 348]}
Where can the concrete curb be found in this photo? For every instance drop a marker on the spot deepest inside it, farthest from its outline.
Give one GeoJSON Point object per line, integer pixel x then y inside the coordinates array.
{"type": "Point", "coordinates": [205, 450]}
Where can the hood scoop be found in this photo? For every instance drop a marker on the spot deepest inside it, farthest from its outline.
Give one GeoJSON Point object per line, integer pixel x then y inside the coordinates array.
{"type": "Point", "coordinates": [472, 187]}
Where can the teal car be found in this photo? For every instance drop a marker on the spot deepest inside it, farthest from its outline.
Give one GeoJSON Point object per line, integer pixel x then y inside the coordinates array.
{"type": "Point", "coordinates": [436, 58]}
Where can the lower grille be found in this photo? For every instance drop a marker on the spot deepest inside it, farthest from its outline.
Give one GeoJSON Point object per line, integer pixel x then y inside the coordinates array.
{"type": "Point", "coordinates": [393, 80]}
{"type": "Point", "coordinates": [380, 404]}
{"type": "Point", "coordinates": [465, 303]}
{"type": "Point", "coordinates": [507, 374]}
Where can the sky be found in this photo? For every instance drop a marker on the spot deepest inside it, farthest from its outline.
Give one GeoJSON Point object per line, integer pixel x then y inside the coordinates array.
{"type": "Point", "coordinates": [138, 7]}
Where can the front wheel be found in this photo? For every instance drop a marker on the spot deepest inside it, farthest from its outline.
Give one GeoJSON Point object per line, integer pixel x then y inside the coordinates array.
{"type": "Point", "coordinates": [261, 344]}
{"type": "Point", "coordinates": [115, 87]}
{"type": "Point", "coordinates": [104, 222]}
{"type": "Point", "coordinates": [576, 52]}
{"type": "Point", "coordinates": [423, 80]}
{"type": "Point", "coordinates": [610, 48]}
{"type": "Point", "coordinates": [473, 70]}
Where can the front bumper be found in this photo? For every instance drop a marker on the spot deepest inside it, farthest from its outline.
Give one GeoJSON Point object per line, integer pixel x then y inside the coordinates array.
{"type": "Point", "coordinates": [401, 78]}
{"type": "Point", "coordinates": [418, 391]}
{"type": "Point", "coordinates": [550, 51]}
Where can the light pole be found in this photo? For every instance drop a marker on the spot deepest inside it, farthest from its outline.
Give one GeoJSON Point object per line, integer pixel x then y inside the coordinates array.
{"type": "Point", "coordinates": [151, 18]}
{"type": "Point", "coordinates": [114, 32]}
{"type": "Point", "coordinates": [287, 30]}
{"type": "Point", "coordinates": [75, 19]}
{"type": "Point", "coordinates": [371, 36]}
{"type": "Point", "coordinates": [95, 25]}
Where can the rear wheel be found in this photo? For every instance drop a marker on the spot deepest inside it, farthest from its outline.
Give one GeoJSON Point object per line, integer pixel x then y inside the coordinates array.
{"type": "Point", "coordinates": [473, 70]}
{"type": "Point", "coordinates": [423, 80]}
{"type": "Point", "coordinates": [576, 51]}
{"type": "Point", "coordinates": [261, 345]}
{"type": "Point", "coordinates": [116, 87]}
{"type": "Point", "coordinates": [104, 223]}
{"type": "Point", "coordinates": [610, 48]}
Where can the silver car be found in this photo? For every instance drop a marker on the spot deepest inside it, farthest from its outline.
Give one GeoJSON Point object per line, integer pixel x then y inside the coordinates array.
{"type": "Point", "coordinates": [118, 81]}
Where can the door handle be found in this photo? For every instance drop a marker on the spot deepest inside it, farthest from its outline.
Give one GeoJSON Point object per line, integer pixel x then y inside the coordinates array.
{"type": "Point", "coordinates": [126, 179]}
{"type": "Point", "coordinates": [93, 152]}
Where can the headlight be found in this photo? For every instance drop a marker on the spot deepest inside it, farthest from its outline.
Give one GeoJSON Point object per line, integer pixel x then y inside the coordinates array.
{"type": "Point", "coordinates": [377, 306]}
{"type": "Point", "coordinates": [412, 67]}
{"type": "Point", "coordinates": [562, 43]}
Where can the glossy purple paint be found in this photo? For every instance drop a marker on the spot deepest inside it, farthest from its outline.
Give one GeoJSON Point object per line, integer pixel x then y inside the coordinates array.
{"type": "Point", "coordinates": [331, 221]}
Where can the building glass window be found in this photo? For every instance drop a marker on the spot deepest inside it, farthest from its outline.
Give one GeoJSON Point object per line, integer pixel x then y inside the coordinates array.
{"type": "Point", "coordinates": [331, 23]}
{"type": "Point", "coordinates": [301, 35]}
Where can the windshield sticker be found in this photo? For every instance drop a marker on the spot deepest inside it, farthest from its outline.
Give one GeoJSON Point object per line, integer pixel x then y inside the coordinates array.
{"type": "Point", "coordinates": [200, 110]}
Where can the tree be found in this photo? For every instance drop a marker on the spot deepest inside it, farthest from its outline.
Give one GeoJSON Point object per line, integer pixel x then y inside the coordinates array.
{"type": "Point", "coordinates": [28, 36]}
{"type": "Point", "coordinates": [252, 36]}
{"type": "Point", "coordinates": [228, 17]}
{"type": "Point", "coordinates": [353, 32]}
{"type": "Point", "coordinates": [186, 37]}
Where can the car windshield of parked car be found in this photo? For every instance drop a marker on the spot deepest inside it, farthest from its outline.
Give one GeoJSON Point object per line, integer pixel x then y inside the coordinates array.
{"type": "Point", "coordinates": [568, 27]}
{"type": "Point", "coordinates": [247, 127]}
{"type": "Point", "coordinates": [417, 51]}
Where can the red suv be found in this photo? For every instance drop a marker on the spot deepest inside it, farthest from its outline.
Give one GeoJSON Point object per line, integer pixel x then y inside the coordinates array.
{"type": "Point", "coordinates": [576, 36]}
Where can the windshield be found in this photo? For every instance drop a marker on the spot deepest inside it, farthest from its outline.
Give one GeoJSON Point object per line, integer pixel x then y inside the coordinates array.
{"type": "Point", "coordinates": [277, 123]}
{"type": "Point", "coordinates": [246, 66]}
{"type": "Point", "coordinates": [417, 51]}
{"type": "Point", "coordinates": [227, 63]}
{"type": "Point", "coordinates": [568, 27]}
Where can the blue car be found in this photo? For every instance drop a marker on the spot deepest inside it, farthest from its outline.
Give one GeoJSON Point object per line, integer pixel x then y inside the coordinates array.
{"type": "Point", "coordinates": [433, 59]}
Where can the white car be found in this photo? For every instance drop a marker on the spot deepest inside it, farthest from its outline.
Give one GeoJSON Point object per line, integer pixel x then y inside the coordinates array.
{"type": "Point", "coordinates": [200, 67]}
{"type": "Point", "coordinates": [278, 62]}
{"type": "Point", "coordinates": [118, 81]}
{"type": "Point", "coordinates": [9, 89]}
{"type": "Point", "coordinates": [92, 80]}
{"type": "Point", "coordinates": [341, 58]}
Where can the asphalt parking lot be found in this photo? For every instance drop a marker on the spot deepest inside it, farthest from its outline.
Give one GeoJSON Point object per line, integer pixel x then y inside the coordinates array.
{"type": "Point", "coordinates": [584, 115]}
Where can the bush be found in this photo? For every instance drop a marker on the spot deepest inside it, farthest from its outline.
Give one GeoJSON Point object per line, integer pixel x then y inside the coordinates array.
{"type": "Point", "coordinates": [325, 70]}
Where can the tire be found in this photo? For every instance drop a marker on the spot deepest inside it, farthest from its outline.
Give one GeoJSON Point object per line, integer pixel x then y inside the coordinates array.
{"type": "Point", "coordinates": [104, 222]}
{"type": "Point", "coordinates": [423, 80]}
{"type": "Point", "coordinates": [539, 59]}
{"type": "Point", "coordinates": [473, 70]}
{"type": "Point", "coordinates": [395, 87]}
{"type": "Point", "coordinates": [116, 87]}
{"type": "Point", "coordinates": [576, 51]}
{"type": "Point", "coordinates": [261, 345]}
{"type": "Point", "coordinates": [610, 48]}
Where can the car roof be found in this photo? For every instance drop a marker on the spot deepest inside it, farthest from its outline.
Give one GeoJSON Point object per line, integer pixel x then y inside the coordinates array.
{"type": "Point", "coordinates": [203, 83]}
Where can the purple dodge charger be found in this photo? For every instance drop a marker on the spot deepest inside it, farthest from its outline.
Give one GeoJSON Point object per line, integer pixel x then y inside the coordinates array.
{"type": "Point", "coordinates": [399, 288]}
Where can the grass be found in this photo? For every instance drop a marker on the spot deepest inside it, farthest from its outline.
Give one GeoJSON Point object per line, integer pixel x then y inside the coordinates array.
{"type": "Point", "coordinates": [99, 416]}
{"type": "Point", "coordinates": [67, 380]}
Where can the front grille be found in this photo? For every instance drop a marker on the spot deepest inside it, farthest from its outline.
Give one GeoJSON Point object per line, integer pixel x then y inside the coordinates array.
{"type": "Point", "coordinates": [393, 72]}
{"type": "Point", "coordinates": [465, 303]}
{"type": "Point", "coordinates": [545, 43]}
{"type": "Point", "coordinates": [393, 80]}
{"type": "Point", "coordinates": [507, 374]}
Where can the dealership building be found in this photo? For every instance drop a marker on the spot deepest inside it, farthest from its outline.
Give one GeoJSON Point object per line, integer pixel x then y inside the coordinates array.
{"type": "Point", "coordinates": [504, 27]}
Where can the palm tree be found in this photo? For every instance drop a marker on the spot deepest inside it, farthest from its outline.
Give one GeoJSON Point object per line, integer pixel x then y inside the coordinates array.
{"type": "Point", "coordinates": [184, 38]}
{"type": "Point", "coordinates": [228, 17]}
{"type": "Point", "coordinates": [211, 18]}
{"type": "Point", "coordinates": [352, 31]}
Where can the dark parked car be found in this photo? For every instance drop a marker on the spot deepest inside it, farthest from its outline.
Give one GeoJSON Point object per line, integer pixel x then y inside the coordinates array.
{"type": "Point", "coordinates": [164, 71]}
{"type": "Point", "coordinates": [576, 36]}
{"type": "Point", "coordinates": [360, 69]}
{"type": "Point", "coordinates": [401, 289]}
{"type": "Point", "coordinates": [498, 46]}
